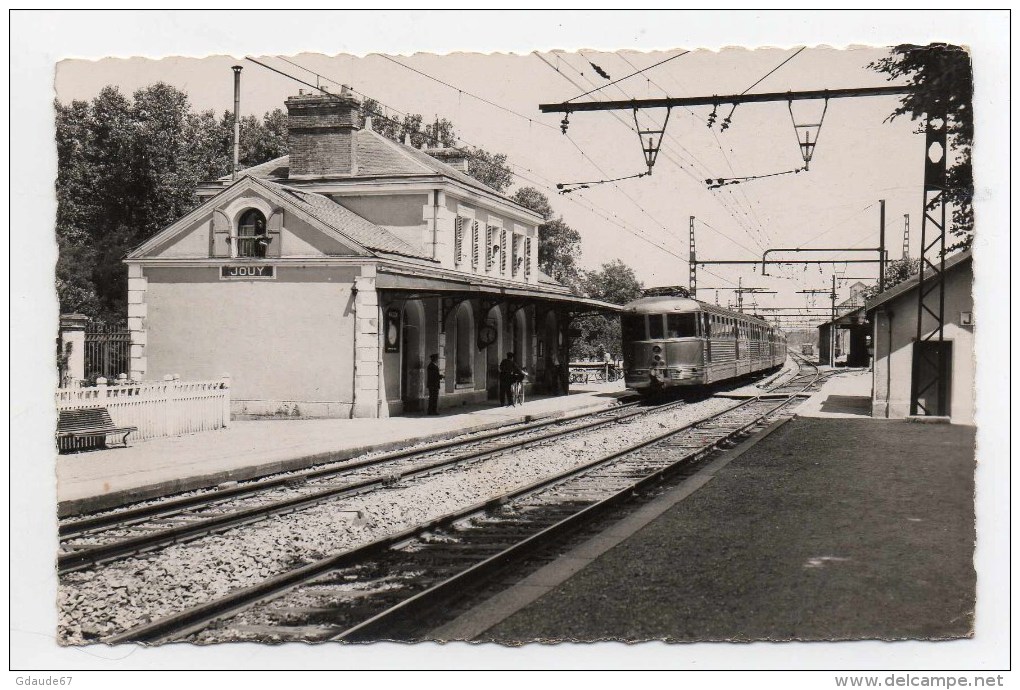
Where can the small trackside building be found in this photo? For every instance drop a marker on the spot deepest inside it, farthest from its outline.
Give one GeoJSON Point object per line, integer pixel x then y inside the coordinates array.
{"type": "Point", "coordinates": [321, 282]}
{"type": "Point", "coordinates": [893, 315]}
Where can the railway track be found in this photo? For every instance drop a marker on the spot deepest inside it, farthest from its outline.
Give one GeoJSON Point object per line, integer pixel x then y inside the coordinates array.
{"type": "Point", "coordinates": [386, 589]}
{"type": "Point", "coordinates": [114, 535]}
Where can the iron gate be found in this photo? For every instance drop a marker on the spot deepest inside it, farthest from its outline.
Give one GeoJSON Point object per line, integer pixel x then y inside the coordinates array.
{"type": "Point", "coordinates": [107, 351]}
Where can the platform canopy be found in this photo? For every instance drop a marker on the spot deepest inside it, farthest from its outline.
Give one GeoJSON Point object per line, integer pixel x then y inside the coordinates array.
{"type": "Point", "coordinates": [467, 286]}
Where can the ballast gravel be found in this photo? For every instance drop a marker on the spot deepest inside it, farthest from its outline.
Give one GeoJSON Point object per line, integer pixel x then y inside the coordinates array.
{"type": "Point", "coordinates": [96, 603]}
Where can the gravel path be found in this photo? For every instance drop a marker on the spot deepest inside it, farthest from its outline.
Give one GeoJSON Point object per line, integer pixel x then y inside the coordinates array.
{"type": "Point", "coordinates": [97, 603]}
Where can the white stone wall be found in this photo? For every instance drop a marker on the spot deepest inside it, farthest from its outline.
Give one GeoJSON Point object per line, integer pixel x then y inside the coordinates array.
{"type": "Point", "coordinates": [368, 349]}
{"type": "Point", "coordinates": [137, 321]}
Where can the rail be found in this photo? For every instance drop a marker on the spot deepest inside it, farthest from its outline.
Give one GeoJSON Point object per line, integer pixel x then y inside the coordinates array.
{"type": "Point", "coordinates": [572, 497]}
{"type": "Point", "coordinates": [157, 409]}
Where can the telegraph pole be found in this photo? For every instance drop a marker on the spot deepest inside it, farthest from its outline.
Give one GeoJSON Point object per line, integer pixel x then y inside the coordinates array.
{"type": "Point", "coordinates": [832, 312]}
{"type": "Point", "coordinates": [881, 245]}
{"type": "Point", "coordinates": [741, 291]}
{"type": "Point", "coordinates": [832, 325]}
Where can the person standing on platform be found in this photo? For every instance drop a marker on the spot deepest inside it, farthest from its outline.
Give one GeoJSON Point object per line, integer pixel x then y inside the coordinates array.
{"type": "Point", "coordinates": [433, 377]}
{"type": "Point", "coordinates": [509, 372]}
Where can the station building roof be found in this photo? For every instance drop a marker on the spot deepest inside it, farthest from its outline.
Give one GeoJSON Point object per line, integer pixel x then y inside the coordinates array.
{"type": "Point", "coordinates": [952, 263]}
{"type": "Point", "coordinates": [362, 231]}
{"type": "Point", "coordinates": [332, 218]}
{"type": "Point", "coordinates": [414, 278]}
{"type": "Point", "coordinates": [378, 158]}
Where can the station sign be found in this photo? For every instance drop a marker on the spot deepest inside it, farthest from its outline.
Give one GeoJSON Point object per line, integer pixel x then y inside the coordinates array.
{"type": "Point", "coordinates": [247, 272]}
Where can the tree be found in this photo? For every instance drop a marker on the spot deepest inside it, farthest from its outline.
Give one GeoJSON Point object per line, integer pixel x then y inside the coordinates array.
{"type": "Point", "coordinates": [559, 245]}
{"type": "Point", "coordinates": [943, 82]}
{"type": "Point", "coordinates": [126, 169]}
{"type": "Point", "coordinates": [531, 198]}
{"type": "Point", "coordinates": [490, 169]}
{"type": "Point", "coordinates": [613, 282]}
{"type": "Point", "coordinates": [896, 272]}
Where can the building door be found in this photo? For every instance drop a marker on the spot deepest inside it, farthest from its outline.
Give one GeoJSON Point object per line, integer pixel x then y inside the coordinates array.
{"type": "Point", "coordinates": [932, 391]}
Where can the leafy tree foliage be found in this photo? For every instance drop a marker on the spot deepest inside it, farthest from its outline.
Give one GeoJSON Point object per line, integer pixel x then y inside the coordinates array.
{"type": "Point", "coordinates": [490, 169]}
{"type": "Point", "coordinates": [896, 272]}
{"type": "Point", "coordinates": [559, 244]}
{"type": "Point", "coordinates": [531, 198]}
{"type": "Point", "coordinates": [127, 168]}
{"type": "Point", "coordinates": [943, 83]}
{"type": "Point", "coordinates": [613, 282]}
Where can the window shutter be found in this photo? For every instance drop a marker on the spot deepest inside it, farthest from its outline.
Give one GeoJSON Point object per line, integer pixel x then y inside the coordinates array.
{"type": "Point", "coordinates": [488, 247]}
{"type": "Point", "coordinates": [515, 257]}
{"type": "Point", "coordinates": [527, 257]}
{"type": "Point", "coordinates": [220, 234]}
{"type": "Point", "coordinates": [474, 244]}
{"type": "Point", "coordinates": [275, 231]}
{"type": "Point", "coordinates": [502, 251]}
{"type": "Point", "coordinates": [458, 240]}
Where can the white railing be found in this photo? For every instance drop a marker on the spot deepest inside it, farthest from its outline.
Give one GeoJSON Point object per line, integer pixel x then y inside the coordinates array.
{"type": "Point", "coordinates": [158, 408]}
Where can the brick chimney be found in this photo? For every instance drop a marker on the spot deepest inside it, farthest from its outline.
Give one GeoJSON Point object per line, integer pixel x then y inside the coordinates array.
{"type": "Point", "coordinates": [455, 158]}
{"type": "Point", "coordinates": [320, 130]}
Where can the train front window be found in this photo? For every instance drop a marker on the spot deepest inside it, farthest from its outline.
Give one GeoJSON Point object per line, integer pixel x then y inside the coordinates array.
{"type": "Point", "coordinates": [655, 326]}
{"type": "Point", "coordinates": [681, 325]}
{"type": "Point", "coordinates": [633, 327]}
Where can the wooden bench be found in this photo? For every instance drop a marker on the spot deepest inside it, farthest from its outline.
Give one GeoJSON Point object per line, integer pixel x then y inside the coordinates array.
{"type": "Point", "coordinates": [88, 428]}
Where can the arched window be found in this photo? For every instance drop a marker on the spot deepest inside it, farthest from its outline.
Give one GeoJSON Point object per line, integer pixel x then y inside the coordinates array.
{"type": "Point", "coordinates": [465, 358]}
{"type": "Point", "coordinates": [251, 234]}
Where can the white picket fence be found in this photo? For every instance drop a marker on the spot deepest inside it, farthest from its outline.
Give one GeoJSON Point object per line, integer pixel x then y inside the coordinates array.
{"type": "Point", "coordinates": [159, 409]}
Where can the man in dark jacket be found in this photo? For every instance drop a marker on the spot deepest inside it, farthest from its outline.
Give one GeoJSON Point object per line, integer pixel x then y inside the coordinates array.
{"type": "Point", "coordinates": [433, 377]}
{"type": "Point", "coordinates": [509, 372]}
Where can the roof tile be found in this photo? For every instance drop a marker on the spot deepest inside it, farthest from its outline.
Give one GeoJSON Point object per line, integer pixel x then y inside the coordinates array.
{"type": "Point", "coordinates": [347, 222]}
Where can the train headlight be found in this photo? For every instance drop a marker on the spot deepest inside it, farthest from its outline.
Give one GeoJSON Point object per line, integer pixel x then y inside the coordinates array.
{"type": "Point", "coordinates": [656, 350]}
{"type": "Point", "coordinates": [657, 358]}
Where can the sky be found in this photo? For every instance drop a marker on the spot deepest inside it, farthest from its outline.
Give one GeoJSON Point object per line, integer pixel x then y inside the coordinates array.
{"type": "Point", "coordinates": [493, 99]}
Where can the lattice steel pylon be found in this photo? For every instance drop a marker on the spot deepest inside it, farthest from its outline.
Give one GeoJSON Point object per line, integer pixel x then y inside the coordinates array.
{"type": "Point", "coordinates": [906, 235]}
{"type": "Point", "coordinates": [928, 382]}
{"type": "Point", "coordinates": [692, 281]}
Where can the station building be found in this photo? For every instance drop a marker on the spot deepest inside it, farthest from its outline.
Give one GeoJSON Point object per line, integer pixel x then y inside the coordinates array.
{"type": "Point", "coordinates": [893, 316]}
{"type": "Point", "coordinates": [322, 281]}
{"type": "Point", "coordinates": [850, 329]}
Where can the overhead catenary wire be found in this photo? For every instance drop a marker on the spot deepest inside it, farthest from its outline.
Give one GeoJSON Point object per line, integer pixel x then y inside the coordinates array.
{"type": "Point", "coordinates": [513, 112]}
{"type": "Point", "coordinates": [634, 74]}
{"type": "Point", "coordinates": [726, 181]}
{"type": "Point", "coordinates": [761, 229]}
{"type": "Point", "coordinates": [525, 117]}
{"type": "Point", "coordinates": [836, 225]}
{"type": "Point", "coordinates": [317, 87]}
{"type": "Point", "coordinates": [665, 150]}
{"type": "Point", "coordinates": [317, 74]}
{"type": "Point", "coordinates": [466, 93]}
{"type": "Point", "coordinates": [605, 175]}
{"type": "Point", "coordinates": [562, 186]}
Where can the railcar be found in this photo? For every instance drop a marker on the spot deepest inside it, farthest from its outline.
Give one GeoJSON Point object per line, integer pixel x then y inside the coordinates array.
{"type": "Point", "coordinates": [676, 342]}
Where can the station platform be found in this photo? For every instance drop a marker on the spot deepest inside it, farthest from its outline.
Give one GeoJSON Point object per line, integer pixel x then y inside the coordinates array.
{"type": "Point", "coordinates": [830, 526]}
{"type": "Point", "coordinates": [248, 449]}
